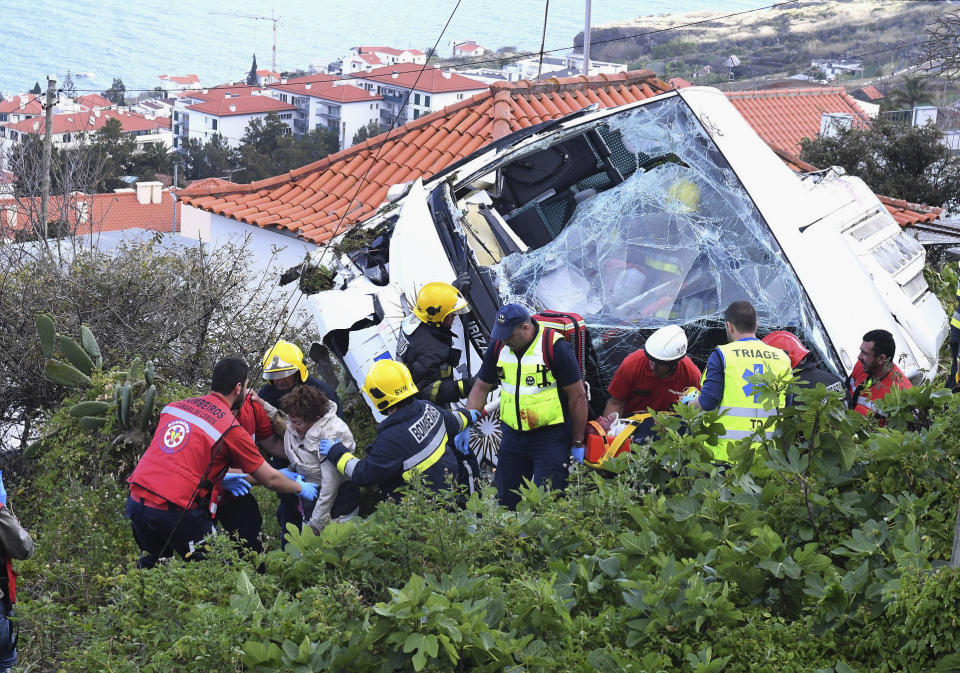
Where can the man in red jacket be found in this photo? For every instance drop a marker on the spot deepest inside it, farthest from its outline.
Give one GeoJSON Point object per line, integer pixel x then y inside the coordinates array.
{"type": "Point", "coordinates": [15, 543]}
{"type": "Point", "coordinates": [875, 375]}
{"type": "Point", "coordinates": [196, 441]}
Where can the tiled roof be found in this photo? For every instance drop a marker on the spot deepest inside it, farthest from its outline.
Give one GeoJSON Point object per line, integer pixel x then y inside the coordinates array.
{"type": "Point", "coordinates": [212, 183]}
{"type": "Point", "coordinates": [372, 59]}
{"type": "Point", "coordinates": [312, 200]}
{"type": "Point", "coordinates": [94, 100]}
{"type": "Point", "coordinates": [679, 83]}
{"type": "Point", "coordinates": [871, 92]}
{"type": "Point", "coordinates": [226, 106]}
{"type": "Point", "coordinates": [343, 93]}
{"type": "Point", "coordinates": [108, 212]}
{"type": "Point", "coordinates": [432, 80]}
{"type": "Point", "coordinates": [467, 46]}
{"type": "Point", "coordinates": [186, 79]}
{"type": "Point", "coordinates": [31, 105]}
{"type": "Point", "coordinates": [904, 212]}
{"type": "Point", "coordinates": [86, 121]}
{"type": "Point", "coordinates": [783, 117]}
{"type": "Point", "coordinates": [264, 72]}
{"type": "Point", "coordinates": [385, 50]}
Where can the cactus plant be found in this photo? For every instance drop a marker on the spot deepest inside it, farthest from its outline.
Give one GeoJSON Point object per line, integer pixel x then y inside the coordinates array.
{"type": "Point", "coordinates": [90, 408]}
{"type": "Point", "coordinates": [47, 334]}
{"type": "Point", "coordinates": [90, 345]}
{"type": "Point", "coordinates": [65, 375]}
{"type": "Point", "coordinates": [76, 355]}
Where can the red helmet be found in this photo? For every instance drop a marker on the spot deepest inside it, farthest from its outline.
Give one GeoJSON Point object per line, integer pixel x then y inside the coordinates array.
{"type": "Point", "coordinates": [789, 344]}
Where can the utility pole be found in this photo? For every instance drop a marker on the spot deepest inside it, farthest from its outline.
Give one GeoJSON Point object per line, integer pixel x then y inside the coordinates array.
{"type": "Point", "coordinates": [586, 42]}
{"type": "Point", "coordinates": [173, 193]}
{"type": "Point", "coordinates": [47, 148]}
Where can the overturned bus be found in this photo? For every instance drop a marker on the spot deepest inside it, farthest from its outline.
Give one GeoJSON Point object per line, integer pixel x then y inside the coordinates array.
{"type": "Point", "coordinates": [659, 212]}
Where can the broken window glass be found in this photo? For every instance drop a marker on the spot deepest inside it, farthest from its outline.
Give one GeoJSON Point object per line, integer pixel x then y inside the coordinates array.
{"type": "Point", "coordinates": [675, 242]}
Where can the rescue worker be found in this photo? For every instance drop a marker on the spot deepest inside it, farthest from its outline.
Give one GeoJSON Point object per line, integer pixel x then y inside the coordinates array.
{"type": "Point", "coordinates": [415, 438]}
{"type": "Point", "coordinates": [875, 374]}
{"type": "Point", "coordinates": [727, 380]}
{"type": "Point", "coordinates": [543, 404]}
{"type": "Point", "coordinates": [425, 346]}
{"type": "Point", "coordinates": [195, 442]}
{"type": "Point", "coordinates": [653, 377]}
{"type": "Point", "coordinates": [805, 373]}
{"type": "Point", "coordinates": [952, 379]}
{"type": "Point", "coordinates": [15, 543]}
{"type": "Point", "coordinates": [284, 370]}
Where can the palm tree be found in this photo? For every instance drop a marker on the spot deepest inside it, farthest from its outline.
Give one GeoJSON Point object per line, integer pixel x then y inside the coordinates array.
{"type": "Point", "coordinates": [913, 92]}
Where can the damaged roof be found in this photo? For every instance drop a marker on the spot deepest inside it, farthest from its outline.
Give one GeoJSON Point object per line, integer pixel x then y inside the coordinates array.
{"type": "Point", "coordinates": [349, 185]}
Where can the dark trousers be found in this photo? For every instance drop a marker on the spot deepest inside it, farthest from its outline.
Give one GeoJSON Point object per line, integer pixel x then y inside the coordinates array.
{"type": "Point", "coordinates": [8, 637]}
{"type": "Point", "coordinates": [159, 532]}
{"type": "Point", "coordinates": [541, 455]}
{"type": "Point", "coordinates": [952, 379]}
{"type": "Point", "coordinates": [288, 511]}
{"type": "Point", "coordinates": [240, 517]}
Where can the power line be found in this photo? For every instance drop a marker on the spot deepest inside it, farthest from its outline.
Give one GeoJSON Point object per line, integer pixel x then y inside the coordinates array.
{"type": "Point", "coordinates": [633, 36]}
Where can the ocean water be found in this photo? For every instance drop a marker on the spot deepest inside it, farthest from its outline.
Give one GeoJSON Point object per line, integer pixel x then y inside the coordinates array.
{"type": "Point", "coordinates": [137, 41]}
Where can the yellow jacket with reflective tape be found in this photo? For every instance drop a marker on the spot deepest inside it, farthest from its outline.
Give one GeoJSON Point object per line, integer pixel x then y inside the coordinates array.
{"type": "Point", "coordinates": [529, 397]}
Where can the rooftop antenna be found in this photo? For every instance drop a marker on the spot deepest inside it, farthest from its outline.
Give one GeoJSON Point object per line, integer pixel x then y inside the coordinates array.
{"type": "Point", "coordinates": [275, 19]}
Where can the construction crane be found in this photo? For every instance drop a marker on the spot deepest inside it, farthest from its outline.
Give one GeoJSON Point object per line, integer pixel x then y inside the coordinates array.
{"type": "Point", "coordinates": [275, 19]}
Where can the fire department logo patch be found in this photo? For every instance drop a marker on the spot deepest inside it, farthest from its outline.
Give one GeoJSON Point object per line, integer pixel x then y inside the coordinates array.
{"type": "Point", "coordinates": [174, 436]}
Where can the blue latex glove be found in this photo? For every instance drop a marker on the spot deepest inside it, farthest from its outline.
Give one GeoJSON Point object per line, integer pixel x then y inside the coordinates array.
{"type": "Point", "coordinates": [3, 491]}
{"type": "Point", "coordinates": [687, 399]}
{"type": "Point", "coordinates": [578, 452]}
{"type": "Point", "coordinates": [308, 491]}
{"type": "Point", "coordinates": [474, 415]}
{"type": "Point", "coordinates": [462, 442]}
{"type": "Point", "coordinates": [289, 473]}
{"type": "Point", "coordinates": [236, 483]}
{"type": "Point", "coordinates": [324, 448]}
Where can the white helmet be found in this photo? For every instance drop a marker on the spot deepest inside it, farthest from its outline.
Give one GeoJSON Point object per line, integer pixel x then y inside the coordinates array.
{"type": "Point", "coordinates": [667, 344]}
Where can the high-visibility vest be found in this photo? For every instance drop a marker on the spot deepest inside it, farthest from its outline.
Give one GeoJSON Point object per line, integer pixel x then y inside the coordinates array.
{"type": "Point", "coordinates": [955, 318]}
{"type": "Point", "coordinates": [177, 465]}
{"type": "Point", "coordinates": [529, 397]}
{"type": "Point", "coordinates": [745, 414]}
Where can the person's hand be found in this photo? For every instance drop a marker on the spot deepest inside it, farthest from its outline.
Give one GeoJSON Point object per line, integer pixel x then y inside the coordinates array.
{"type": "Point", "coordinates": [289, 473]}
{"type": "Point", "coordinates": [236, 483]}
{"type": "Point", "coordinates": [462, 442]}
{"type": "Point", "coordinates": [475, 415]}
{"type": "Point", "coordinates": [325, 446]}
{"type": "Point", "coordinates": [689, 395]}
{"type": "Point", "coordinates": [308, 491]}
{"type": "Point", "coordinates": [578, 451]}
{"type": "Point", "coordinates": [3, 491]}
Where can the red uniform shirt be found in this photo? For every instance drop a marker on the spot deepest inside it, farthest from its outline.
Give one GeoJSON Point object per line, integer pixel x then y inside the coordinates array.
{"type": "Point", "coordinates": [254, 419]}
{"type": "Point", "coordinates": [636, 385]}
{"type": "Point", "coordinates": [182, 452]}
{"type": "Point", "coordinates": [876, 390]}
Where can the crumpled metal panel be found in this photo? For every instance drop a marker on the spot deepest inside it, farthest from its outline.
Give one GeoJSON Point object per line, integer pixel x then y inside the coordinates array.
{"type": "Point", "coordinates": [673, 244]}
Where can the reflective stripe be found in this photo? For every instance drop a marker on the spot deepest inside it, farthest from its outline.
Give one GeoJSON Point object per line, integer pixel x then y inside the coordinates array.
{"type": "Point", "coordinates": [955, 319]}
{"type": "Point", "coordinates": [426, 464]}
{"type": "Point", "coordinates": [526, 390]}
{"type": "Point", "coordinates": [662, 266]}
{"type": "Point", "coordinates": [426, 452]}
{"type": "Point", "coordinates": [737, 434]}
{"type": "Point", "coordinates": [866, 402]}
{"type": "Point", "coordinates": [749, 412]}
{"type": "Point", "coordinates": [346, 464]}
{"type": "Point", "coordinates": [196, 421]}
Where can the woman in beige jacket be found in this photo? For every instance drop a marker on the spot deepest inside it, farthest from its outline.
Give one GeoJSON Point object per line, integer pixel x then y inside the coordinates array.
{"type": "Point", "coordinates": [312, 419]}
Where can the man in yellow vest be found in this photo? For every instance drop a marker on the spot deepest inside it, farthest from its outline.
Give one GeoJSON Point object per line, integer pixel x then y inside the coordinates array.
{"type": "Point", "coordinates": [543, 404]}
{"type": "Point", "coordinates": [728, 379]}
{"type": "Point", "coordinates": [952, 381]}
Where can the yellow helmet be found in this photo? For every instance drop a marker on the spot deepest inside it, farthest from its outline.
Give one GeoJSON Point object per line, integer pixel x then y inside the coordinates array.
{"type": "Point", "coordinates": [685, 195]}
{"type": "Point", "coordinates": [283, 360]}
{"type": "Point", "coordinates": [388, 382]}
{"type": "Point", "coordinates": [436, 301]}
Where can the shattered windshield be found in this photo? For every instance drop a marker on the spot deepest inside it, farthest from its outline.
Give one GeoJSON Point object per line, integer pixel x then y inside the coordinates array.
{"type": "Point", "coordinates": [675, 242]}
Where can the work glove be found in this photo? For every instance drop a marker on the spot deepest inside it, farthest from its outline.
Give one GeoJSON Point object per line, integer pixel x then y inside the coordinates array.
{"type": "Point", "coordinates": [462, 442]}
{"type": "Point", "coordinates": [3, 491]}
{"type": "Point", "coordinates": [475, 415]}
{"type": "Point", "coordinates": [289, 473]}
{"type": "Point", "coordinates": [578, 452]}
{"type": "Point", "coordinates": [689, 395]}
{"type": "Point", "coordinates": [325, 446]}
{"type": "Point", "coordinates": [236, 483]}
{"type": "Point", "coordinates": [465, 386]}
{"type": "Point", "coordinates": [308, 491]}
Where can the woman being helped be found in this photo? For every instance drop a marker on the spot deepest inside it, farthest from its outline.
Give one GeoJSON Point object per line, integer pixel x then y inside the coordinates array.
{"type": "Point", "coordinates": [312, 419]}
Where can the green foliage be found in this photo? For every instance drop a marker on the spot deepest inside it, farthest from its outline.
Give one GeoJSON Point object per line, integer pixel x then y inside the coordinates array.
{"type": "Point", "coordinates": [893, 158]}
{"type": "Point", "coordinates": [268, 148]}
{"type": "Point", "coordinates": [371, 129]}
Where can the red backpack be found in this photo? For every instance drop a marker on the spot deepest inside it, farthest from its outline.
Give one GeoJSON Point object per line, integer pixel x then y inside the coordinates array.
{"type": "Point", "coordinates": [571, 326]}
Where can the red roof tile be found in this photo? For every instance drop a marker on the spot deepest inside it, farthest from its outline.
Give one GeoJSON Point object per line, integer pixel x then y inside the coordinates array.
{"type": "Point", "coordinates": [432, 79]}
{"type": "Point", "coordinates": [338, 191]}
{"type": "Point", "coordinates": [344, 93]}
{"type": "Point", "coordinates": [31, 105]}
{"type": "Point", "coordinates": [89, 122]}
{"type": "Point", "coordinates": [226, 106]}
{"type": "Point", "coordinates": [387, 50]}
{"type": "Point", "coordinates": [783, 117]}
{"type": "Point", "coordinates": [186, 79]}
{"type": "Point", "coordinates": [94, 100]}
{"type": "Point", "coordinates": [311, 79]}
{"type": "Point", "coordinates": [680, 83]}
{"type": "Point", "coordinates": [871, 92]}
{"type": "Point", "coordinates": [107, 212]}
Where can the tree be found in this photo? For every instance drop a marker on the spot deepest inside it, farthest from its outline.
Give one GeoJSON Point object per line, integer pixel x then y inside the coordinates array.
{"type": "Point", "coordinates": [372, 129]}
{"type": "Point", "coordinates": [214, 159]}
{"type": "Point", "coordinates": [115, 150]}
{"type": "Point", "coordinates": [939, 54]}
{"type": "Point", "coordinates": [69, 87]}
{"type": "Point", "coordinates": [116, 91]}
{"type": "Point", "coordinates": [912, 93]}
{"type": "Point", "coordinates": [894, 159]}
{"type": "Point", "coordinates": [252, 75]}
{"type": "Point", "coordinates": [36, 89]}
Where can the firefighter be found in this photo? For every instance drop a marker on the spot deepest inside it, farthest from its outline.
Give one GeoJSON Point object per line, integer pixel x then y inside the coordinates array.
{"type": "Point", "coordinates": [415, 438]}
{"type": "Point", "coordinates": [195, 442]}
{"type": "Point", "coordinates": [727, 379]}
{"type": "Point", "coordinates": [425, 346]}
{"type": "Point", "coordinates": [807, 374]}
